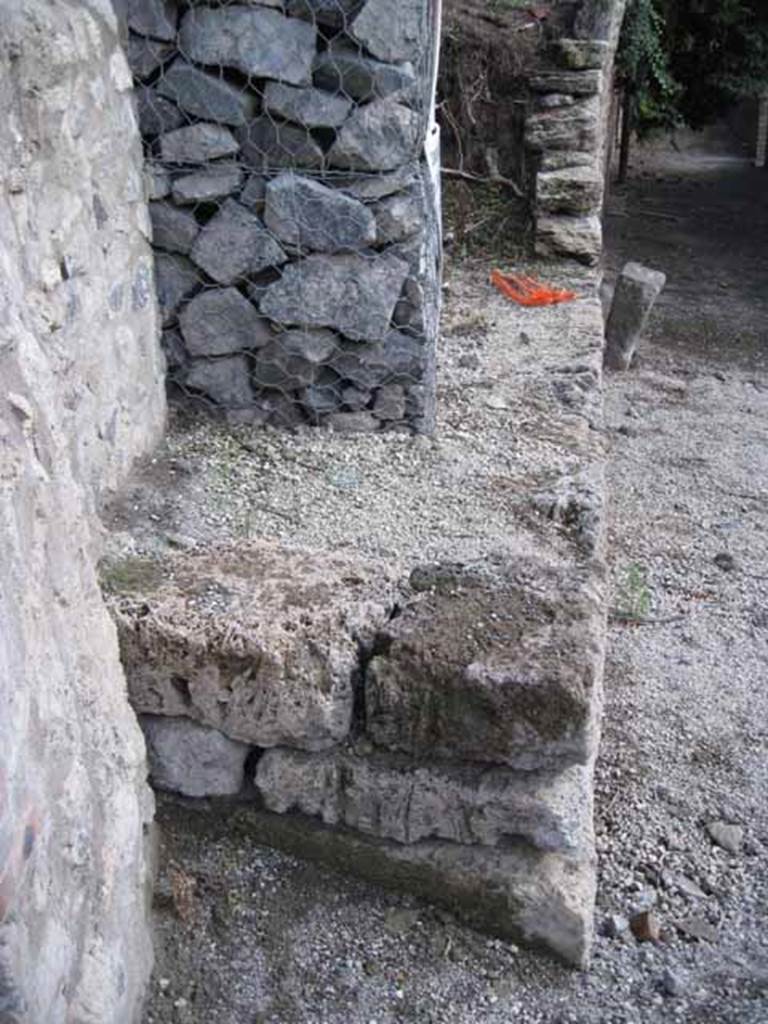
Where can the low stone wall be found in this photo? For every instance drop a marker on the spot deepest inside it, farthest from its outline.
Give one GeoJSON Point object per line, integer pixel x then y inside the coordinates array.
{"type": "Point", "coordinates": [82, 397]}
{"type": "Point", "coordinates": [294, 215]}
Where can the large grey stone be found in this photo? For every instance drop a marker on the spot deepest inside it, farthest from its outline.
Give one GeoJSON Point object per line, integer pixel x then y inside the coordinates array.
{"type": "Point", "coordinates": [172, 229]}
{"type": "Point", "coordinates": [145, 56]}
{"type": "Point", "coordinates": [393, 30]}
{"type": "Point", "coordinates": [206, 96]}
{"type": "Point", "coordinates": [235, 243]}
{"type": "Point", "coordinates": [323, 396]}
{"type": "Point", "coordinates": [354, 294]}
{"type": "Point", "coordinates": [570, 190]}
{"type": "Point", "coordinates": [370, 187]}
{"type": "Point", "coordinates": [399, 216]}
{"type": "Point", "coordinates": [309, 215]}
{"type": "Point", "coordinates": [313, 108]}
{"type": "Point", "coordinates": [377, 137]}
{"type": "Point", "coordinates": [499, 664]}
{"type": "Point", "coordinates": [220, 321]}
{"type": "Point", "coordinates": [254, 192]}
{"type": "Point", "coordinates": [175, 278]}
{"type": "Point", "coordinates": [156, 18]}
{"type": "Point", "coordinates": [255, 40]}
{"type": "Point", "coordinates": [331, 13]}
{"type": "Point", "coordinates": [197, 143]}
{"type": "Point", "coordinates": [258, 641]}
{"type": "Point", "coordinates": [390, 403]}
{"type": "Point", "coordinates": [343, 69]}
{"type": "Point", "coordinates": [293, 359]}
{"type": "Point", "coordinates": [192, 759]}
{"type": "Point", "coordinates": [393, 797]}
{"type": "Point", "coordinates": [204, 186]}
{"type": "Point", "coordinates": [266, 144]}
{"type": "Point", "coordinates": [397, 359]}
{"type": "Point", "coordinates": [573, 128]}
{"type": "Point", "coordinates": [578, 237]}
{"type": "Point", "coordinates": [225, 380]}
{"type": "Point", "coordinates": [578, 54]}
{"type": "Point", "coordinates": [636, 291]}
{"type": "Point", "coordinates": [156, 115]}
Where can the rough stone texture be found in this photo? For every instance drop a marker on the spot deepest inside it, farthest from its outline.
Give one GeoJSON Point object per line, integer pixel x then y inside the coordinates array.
{"type": "Point", "coordinates": [255, 40]}
{"type": "Point", "coordinates": [313, 108]}
{"type": "Point", "coordinates": [145, 56]}
{"type": "Point", "coordinates": [157, 182]}
{"type": "Point", "coordinates": [191, 759]}
{"type": "Point", "coordinates": [396, 359]}
{"type": "Point", "coordinates": [580, 54]}
{"type": "Point", "coordinates": [392, 30]}
{"type": "Point", "coordinates": [396, 798]}
{"type": "Point", "coordinates": [224, 380]}
{"type": "Point", "coordinates": [293, 359]}
{"type": "Point", "coordinates": [307, 214]}
{"type": "Point", "coordinates": [175, 278]}
{"type": "Point", "coordinates": [352, 422]}
{"type": "Point", "coordinates": [637, 289]}
{"type": "Point", "coordinates": [235, 243]}
{"type": "Point", "coordinates": [574, 128]}
{"type": "Point", "coordinates": [156, 115]}
{"type": "Point", "coordinates": [343, 69]}
{"type": "Point", "coordinates": [370, 187]}
{"type": "Point", "coordinates": [266, 144]}
{"type": "Point", "coordinates": [572, 83]}
{"type": "Point", "coordinates": [82, 398]}
{"type": "Point", "coordinates": [501, 664]}
{"type": "Point", "coordinates": [218, 322]}
{"type": "Point", "coordinates": [390, 403]}
{"type": "Point", "coordinates": [331, 13]}
{"type": "Point", "coordinates": [204, 186]}
{"type": "Point", "coordinates": [206, 96]}
{"type": "Point", "coordinates": [580, 237]}
{"type": "Point", "coordinates": [377, 137]}
{"type": "Point", "coordinates": [173, 230]}
{"type": "Point", "coordinates": [258, 641]}
{"type": "Point", "coordinates": [399, 216]}
{"type": "Point", "coordinates": [156, 18]}
{"type": "Point", "coordinates": [255, 192]}
{"type": "Point", "coordinates": [197, 143]}
{"type": "Point", "coordinates": [570, 190]}
{"type": "Point", "coordinates": [355, 294]}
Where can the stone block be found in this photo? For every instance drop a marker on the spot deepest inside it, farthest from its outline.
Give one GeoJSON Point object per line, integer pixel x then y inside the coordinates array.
{"type": "Point", "coordinates": [342, 69]}
{"type": "Point", "coordinates": [330, 13]}
{"type": "Point", "coordinates": [156, 115]}
{"type": "Point", "coordinates": [370, 187]}
{"type": "Point", "coordinates": [390, 403]}
{"type": "Point", "coordinates": [266, 144]}
{"type": "Point", "coordinates": [145, 56]}
{"type": "Point", "coordinates": [235, 243]}
{"type": "Point", "coordinates": [395, 797]}
{"type": "Point", "coordinates": [501, 664]}
{"type": "Point", "coordinates": [573, 128]}
{"type": "Point", "coordinates": [175, 278]}
{"type": "Point", "coordinates": [579, 237]}
{"type": "Point", "coordinates": [258, 641]}
{"type": "Point", "coordinates": [398, 359]}
{"type": "Point", "coordinates": [221, 321]}
{"type": "Point", "coordinates": [213, 183]}
{"type": "Point", "coordinates": [197, 143]}
{"type": "Point", "coordinates": [192, 759]}
{"type": "Point", "coordinates": [312, 108]}
{"type": "Point", "coordinates": [224, 380]}
{"type": "Point", "coordinates": [399, 216]}
{"type": "Point", "coordinates": [257, 41]}
{"type": "Point", "coordinates": [157, 182]}
{"type": "Point", "coordinates": [636, 291]}
{"type": "Point", "coordinates": [155, 18]}
{"type": "Point", "coordinates": [573, 83]}
{"type": "Point", "coordinates": [354, 294]}
{"type": "Point", "coordinates": [323, 396]}
{"type": "Point", "coordinates": [255, 192]}
{"type": "Point", "coordinates": [377, 137]}
{"type": "Point", "coordinates": [569, 190]}
{"type": "Point", "coordinates": [293, 359]}
{"type": "Point", "coordinates": [308, 215]}
{"type": "Point", "coordinates": [206, 96]}
{"type": "Point", "coordinates": [352, 422]}
{"type": "Point", "coordinates": [580, 54]}
{"type": "Point", "coordinates": [392, 30]}
{"type": "Point", "coordinates": [173, 230]}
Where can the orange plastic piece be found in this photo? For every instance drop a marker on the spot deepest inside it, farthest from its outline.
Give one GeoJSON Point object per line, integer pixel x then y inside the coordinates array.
{"type": "Point", "coordinates": [527, 291]}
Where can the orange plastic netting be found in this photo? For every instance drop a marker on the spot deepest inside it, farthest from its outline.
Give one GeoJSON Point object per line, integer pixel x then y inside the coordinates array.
{"type": "Point", "coordinates": [527, 291]}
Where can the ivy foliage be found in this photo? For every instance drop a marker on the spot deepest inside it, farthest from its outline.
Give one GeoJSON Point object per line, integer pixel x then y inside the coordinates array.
{"type": "Point", "coordinates": [643, 66]}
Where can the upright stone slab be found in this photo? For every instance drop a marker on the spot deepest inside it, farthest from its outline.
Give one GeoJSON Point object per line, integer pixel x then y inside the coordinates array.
{"type": "Point", "coordinates": [636, 291]}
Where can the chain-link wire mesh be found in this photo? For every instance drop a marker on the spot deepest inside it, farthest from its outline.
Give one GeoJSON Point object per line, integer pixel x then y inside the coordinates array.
{"type": "Point", "coordinates": [294, 220]}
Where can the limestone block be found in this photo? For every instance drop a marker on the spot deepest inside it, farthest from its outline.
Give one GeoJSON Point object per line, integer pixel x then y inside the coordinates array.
{"type": "Point", "coordinates": [156, 18]}
{"type": "Point", "coordinates": [355, 294]}
{"type": "Point", "coordinates": [377, 137]}
{"type": "Point", "coordinates": [573, 83]}
{"type": "Point", "coordinates": [293, 359]}
{"type": "Point", "coordinates": [145, 56]}
{"type": "Point", "coordinates": [579, 237]}
{"type": "Point", "coordinates": [573, 128]}
{"type": "Point", "coordinates": [309, 215]}
{"type": "Point", "coordinates": [392, 30]}
{"type": "Point", "coordinates": [192, 759]}
{"type": "Point", "coordinates": [399, 216]}
{"type": "Point", "coordinates": [235, 243]}
{"type": "Point", "coordinates": [266, 144]}
{"type": "Point", "coordinates": [636, 291]}
{"type": "Point", "coordinates": [313, 108]}
{"type": "Point", "coordinates": [394, 797]}
{"type": "Point", "coordinates": [173, 230]}
{"type": "Point", "coordinates": [214, 182]}
{"type": "Point", "coordinates": [258, 641]}
{"type": "Point", "coordinates": [258, 41]}
{"type": "Point", "coordinates": [569, 190]}
{"type": "Point", "coordinates": [197, 143]}
{"type": "Point", "coordinates": [206, 96]}
{"type": "Point", "coordinates": [224, 380]}
{"type": "Point", "coordinates": [343, 69]}
{"type": "Point", "coordinates": [221, 321]}
{"type": "Point", "coordinates": [175, 278]}
{"type": "Point", "coordinates": [499, 664]}
{"type": "Point", "coordinates": [579, 54]}
{"type": "Point", "coordinates": [156, 115]}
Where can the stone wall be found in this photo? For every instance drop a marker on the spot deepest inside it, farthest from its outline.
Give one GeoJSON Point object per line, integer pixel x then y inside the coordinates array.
{"type": "Point", "coordinates": [82, 398]}
{"type": "Point", "coordinates": [294, 215]}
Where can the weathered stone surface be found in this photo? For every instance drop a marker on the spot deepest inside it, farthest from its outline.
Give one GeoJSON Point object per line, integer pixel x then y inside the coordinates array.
{"type": "Point", "coordinates": [352, 422]}
{"type": "Point", "coordinates": [573, 128]}
{"type": "Point", "coordinates": [225, 380]}
{"type": "Point", "coordinates": [393, 797]}
{"type": "Point", "coordinates": [309, 215]}
{"type": "Point", "coordinates": [355, 399]}
{"type": "Point", "coordinates": [636, 291]}
{"type": "Point", "coordinates": [397, 359]}
{"type": "Point", "coordinates": [392, 29]}
{"type": "Point", "coordinates": [579, 54]}
{"type": "Point", "coordinates": [331, 13]}
{"type": "Point", "coordinates": [399, 216]}
{"type": "Point", "coordinates": [203, 186]}
{"type": "Point", "coordinates": [371, 187]}
{"type": "Point", "coordinates": [172, 229]}
{"type": "Point", "coordinates": [258, 641]}
{"type": "Point", "coordinates": [571, 190]}
{"type": "Point", "coordinates": [255, 192]}
{"type": "Point", "coordinates": [500, 664]}
{"type": "Point", "coordinates": [206, 96]}
{"type": "Point", "coordinates": [343, 69]}
{"type": "Point", "coordinates": [156, 115]}
{"type": "Point", "coordinates": [156, 18]}
{"type": "Point", "coordinates": [390, 403]}
{"type": "Point", "coordinates": [574, 83]}
{"type": "Point", "coordinates": [265, 145]}
{"type": "Point", "coordinates": [558, 159]}
{"type": "Point", "coordinates": [175, 278]}
{"type": "Point", "coordinates": [293, 359]}
{"type": "Point", "coordinates": [192, 759]}
{"type": "Point", "coordinates": [235, 243]}
{"type": "Point", "coordinates": [255, 40]}
{"type": "Point", "coordinates": [377, 137]}
{"type": "Point", "coordinates": [157, 182]}
{"type": "Point", "coordinates": [313, 108]}
{"type": "Point", "coordinates": [354, 294]}
{"type": "Point", "coordinates": [145, 56]}
{"type": "Point", "coordinates": [220, 321]}
{"type": "Point", "coordinates": [322, 397]}
{"type": "Point", "coordinates": [579, 237]}
{"type": "Point", "coordinates": [197, 143]}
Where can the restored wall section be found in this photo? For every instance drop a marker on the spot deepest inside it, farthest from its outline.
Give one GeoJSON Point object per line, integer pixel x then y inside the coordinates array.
{"type": "Point", "coordinates": [82, 397]}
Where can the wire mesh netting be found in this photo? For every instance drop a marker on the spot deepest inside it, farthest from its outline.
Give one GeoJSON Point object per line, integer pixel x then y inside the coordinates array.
{"type": "Point", "coordinates": [295, 221]}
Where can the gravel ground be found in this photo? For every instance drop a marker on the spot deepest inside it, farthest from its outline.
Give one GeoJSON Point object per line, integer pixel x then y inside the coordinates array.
{"type": "Point", "coordinates": [248, 935]}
